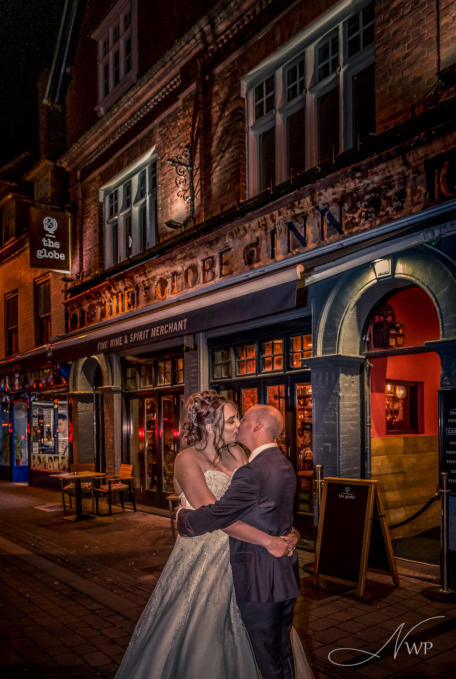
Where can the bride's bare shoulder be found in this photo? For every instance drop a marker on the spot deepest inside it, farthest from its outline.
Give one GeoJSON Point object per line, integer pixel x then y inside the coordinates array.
{"type": "Point", "coordinates": [187, 456]}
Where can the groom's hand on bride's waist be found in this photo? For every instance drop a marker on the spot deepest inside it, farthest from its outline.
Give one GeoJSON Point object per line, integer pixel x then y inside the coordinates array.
{"type": "Point", "coordinates": [279, 546]}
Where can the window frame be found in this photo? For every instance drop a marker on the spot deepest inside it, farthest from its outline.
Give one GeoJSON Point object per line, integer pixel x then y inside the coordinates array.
{"type": "Point", "coordinates": [42, 337]}
{"type": "Point", "coordinates": [304, 47]}
{"type": "Point", "coordinates": [123, 218]}
{"type": "Point", "coordinates": [11, 330]}
{"type": "Point", "coordinates": [116, 36]}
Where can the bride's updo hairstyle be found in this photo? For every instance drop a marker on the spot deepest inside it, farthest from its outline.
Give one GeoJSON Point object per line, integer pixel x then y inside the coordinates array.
{"type": "Point", "coordinates": [205, 407]}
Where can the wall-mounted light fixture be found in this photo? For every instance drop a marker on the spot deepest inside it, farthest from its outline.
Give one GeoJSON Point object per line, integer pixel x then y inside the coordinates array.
{"type": "Point", "coordinates": [183, 164]}
{"type": "Point", "coordinates": [382, 267]}
{"type": "Point", "coordinates": [174, 224]}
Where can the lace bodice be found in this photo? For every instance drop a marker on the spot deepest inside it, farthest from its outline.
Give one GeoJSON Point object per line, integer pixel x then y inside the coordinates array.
{"type": "Point", "coordinates": [217, 482]}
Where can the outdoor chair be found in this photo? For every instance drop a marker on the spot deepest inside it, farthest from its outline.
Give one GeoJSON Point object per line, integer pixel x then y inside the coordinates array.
{"type": "Point", "coordinates": [68, 487]}
{"type": "Point", "coordinates": [121, 484]}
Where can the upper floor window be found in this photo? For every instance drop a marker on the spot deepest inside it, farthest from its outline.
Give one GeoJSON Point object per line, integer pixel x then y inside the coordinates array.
{"type": "Point", "coordinates": [117, 53]}
{"type": "Point", "coordinates": [42, 290]}
{"type": "Point", "coordinates": [308, 103]}
{"type": "Point", "coordinates": [130, 211]}
{"type": "Point", "coordinates": [11, 323]}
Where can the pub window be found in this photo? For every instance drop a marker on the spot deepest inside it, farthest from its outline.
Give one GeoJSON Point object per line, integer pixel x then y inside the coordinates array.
{"type": "Point", "coordinates": [359, 30]}
{"type": "Point", "coordinates": [328, 125]}
{"type": "Point", "coordinates": [272, 355]}
{"type": "Point", "coordinates": [403, 407]}
{"type": "Point", "coordinates": [164, 371]}
{"type": "Point", "coordinates": [266, 150]}
{"type": "Point", "coordinates": [328, 56]}
{"type": "Point", "coordinates": [179, 370]}
{"type": "Point", "coordinates": [130, 211]}
{"type": "Point", "coordinates": [11, 320]}
{"type": "Point", "coordinates": [42, 311]}
{"type": "Point", "coordinates": [117, 60]}
{"type": "Point", "coordinates": [300, 349]}
{"type": "Point", "coordinates": [246, 359]}
{"type": "Point", "coordinates": [300, 116]}
{"type": "Point", "coordinates": [147, 374]}
{"type": "Point", "coordinates": [264, 97]}
{"type": "Point", "coordinates": [221, 363]}
{"type": "Point", "coordinates": [131, 373]}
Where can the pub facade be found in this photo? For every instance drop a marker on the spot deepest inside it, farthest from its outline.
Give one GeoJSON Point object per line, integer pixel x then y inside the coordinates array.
{"type": "Point", "coordinates": [265, 205]}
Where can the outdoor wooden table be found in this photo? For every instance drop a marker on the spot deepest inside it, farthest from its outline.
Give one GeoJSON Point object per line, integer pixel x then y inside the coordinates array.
{"type": "Point", "coordinates": [77, 477]}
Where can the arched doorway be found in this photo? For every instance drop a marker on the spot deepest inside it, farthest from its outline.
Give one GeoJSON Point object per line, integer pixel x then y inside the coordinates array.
{"type": "Point", "coordinates": [90, 419]}
{"type": "Point", "coordinates": [404, 384]}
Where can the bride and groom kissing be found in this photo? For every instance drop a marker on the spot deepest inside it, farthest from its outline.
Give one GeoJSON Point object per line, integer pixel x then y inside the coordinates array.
{"type": "Point", "coordinates": [223, 606]}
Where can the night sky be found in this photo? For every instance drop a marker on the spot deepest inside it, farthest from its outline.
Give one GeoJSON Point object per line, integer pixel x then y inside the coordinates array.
{"type": "Point", "coordinates": [28, 33]}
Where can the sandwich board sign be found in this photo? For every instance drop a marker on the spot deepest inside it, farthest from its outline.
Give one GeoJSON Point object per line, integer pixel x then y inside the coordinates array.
{"type": "Point", "coordinates": [353, 535]}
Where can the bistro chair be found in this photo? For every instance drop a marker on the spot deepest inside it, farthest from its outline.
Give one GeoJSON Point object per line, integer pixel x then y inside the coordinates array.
{"type": "Point", "coordinates": [121, 484]}
{"type": "Point", "coordinates": [68, 487]}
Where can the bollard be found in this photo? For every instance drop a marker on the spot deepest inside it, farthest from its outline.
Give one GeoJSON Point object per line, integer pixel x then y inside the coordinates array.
{"type": "Point", "coordinates": [444, 531]}
{"type": "Point", "coordinates": [318, 488]}
{"type": "Point", "coordinates": [442, 593]}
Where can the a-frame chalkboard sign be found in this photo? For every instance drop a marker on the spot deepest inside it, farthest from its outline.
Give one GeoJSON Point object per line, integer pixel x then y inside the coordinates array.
{"type": "Point", "coordinates": [353, 535]}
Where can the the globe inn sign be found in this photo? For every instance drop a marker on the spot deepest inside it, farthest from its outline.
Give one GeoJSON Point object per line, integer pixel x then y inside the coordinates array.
{"type": "Point", "coordinates": [367, 196]}
{"type": "Point", "coordinates": [49, 240]}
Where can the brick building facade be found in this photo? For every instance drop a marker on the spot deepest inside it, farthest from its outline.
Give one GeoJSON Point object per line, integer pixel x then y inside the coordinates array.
{"type": "Point", "coordinates": [265, 200]}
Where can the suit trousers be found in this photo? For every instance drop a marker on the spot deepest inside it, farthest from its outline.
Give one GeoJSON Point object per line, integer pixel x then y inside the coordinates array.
{"type": "Point", "coordinates": [269, 628]}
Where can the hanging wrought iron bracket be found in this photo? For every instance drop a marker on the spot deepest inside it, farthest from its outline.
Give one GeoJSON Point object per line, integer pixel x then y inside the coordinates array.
{"type": "Point", "coordinates": [183, 164]}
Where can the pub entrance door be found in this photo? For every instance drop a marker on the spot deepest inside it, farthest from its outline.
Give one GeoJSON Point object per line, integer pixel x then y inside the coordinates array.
{"type": "Point", "coordinates": [156, 426]}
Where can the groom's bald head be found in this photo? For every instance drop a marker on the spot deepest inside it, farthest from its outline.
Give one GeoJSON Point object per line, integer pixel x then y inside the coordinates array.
{"type": "Point", "coordinates": [260, 424]}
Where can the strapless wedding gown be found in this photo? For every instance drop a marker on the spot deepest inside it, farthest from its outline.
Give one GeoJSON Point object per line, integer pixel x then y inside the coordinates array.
{"type": "Point", "coordinates": [191, 626]}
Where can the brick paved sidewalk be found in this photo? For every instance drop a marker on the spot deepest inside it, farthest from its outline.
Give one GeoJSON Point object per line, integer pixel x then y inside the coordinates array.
{"type": "Point", "coordinates": [71, 594]}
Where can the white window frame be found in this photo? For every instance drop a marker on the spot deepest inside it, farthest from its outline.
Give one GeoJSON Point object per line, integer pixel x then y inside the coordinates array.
{"type": "Point", "coordinates": [137, 204]}
{"type": "Point", "coordinates": [304, 46]}
{"type": "Point", "coordinates": [107, 48]}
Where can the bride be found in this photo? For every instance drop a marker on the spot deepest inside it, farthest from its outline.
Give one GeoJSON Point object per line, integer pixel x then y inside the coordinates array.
{"type": "Point", "coordinates": [191, 626]}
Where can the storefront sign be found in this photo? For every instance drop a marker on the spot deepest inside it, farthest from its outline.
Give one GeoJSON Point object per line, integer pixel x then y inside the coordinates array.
{"type": "Point", "coordinates": [49, 240]}
{"type": "Point", "coordinates": [145, 332]}
{"type": "Point", "coordinates": [447, 420]}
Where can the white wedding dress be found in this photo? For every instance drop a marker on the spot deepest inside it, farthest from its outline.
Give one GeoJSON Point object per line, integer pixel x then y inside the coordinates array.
{"type": "Point", "coordinates": [191, 626]}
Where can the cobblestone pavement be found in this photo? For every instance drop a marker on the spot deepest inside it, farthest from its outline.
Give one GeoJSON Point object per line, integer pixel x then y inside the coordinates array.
{"type": "Point", "coordinates": [71, 594]}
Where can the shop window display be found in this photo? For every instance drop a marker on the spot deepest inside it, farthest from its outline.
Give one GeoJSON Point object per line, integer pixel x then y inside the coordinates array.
{"type": "Point", "coordinates": [5, 436]}
{"type": "Point", "coordinates": [272, 355]}
{"type": "Point", "coordinates": [20, 434]}
{"type": "Point", "coordinates": [50, 436]}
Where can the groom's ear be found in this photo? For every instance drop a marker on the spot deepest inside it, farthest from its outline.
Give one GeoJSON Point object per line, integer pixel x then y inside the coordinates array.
{"type": "Point", "coordinates": [258, 425]}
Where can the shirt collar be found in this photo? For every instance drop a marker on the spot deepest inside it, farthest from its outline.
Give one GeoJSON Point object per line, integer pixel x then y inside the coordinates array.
{"type": "Point", "coordinates": [257, 451]}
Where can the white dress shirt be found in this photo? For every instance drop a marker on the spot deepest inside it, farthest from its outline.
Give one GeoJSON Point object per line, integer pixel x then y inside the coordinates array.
{"type": "Point", "coordinates": [257, 451]}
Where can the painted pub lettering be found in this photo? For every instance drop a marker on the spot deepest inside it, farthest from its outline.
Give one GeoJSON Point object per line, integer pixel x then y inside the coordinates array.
{"type": "Point", "coordinates": [264, 244]}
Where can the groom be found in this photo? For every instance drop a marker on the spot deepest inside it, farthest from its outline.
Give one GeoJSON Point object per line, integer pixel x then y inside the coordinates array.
{"type": "Point", "coordinates": [262, 494]}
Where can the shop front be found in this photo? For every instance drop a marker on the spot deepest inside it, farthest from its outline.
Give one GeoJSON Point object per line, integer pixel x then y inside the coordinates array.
{"type": "Point", "coordinates": [36, 428]}
{"type": "Point", "coordinates": [154, 410]}
{"type": "Point", "coordinates": [130, 379]}
{"type": "Point", "coordinates": [268, 364]}
{"type": "Point", "coordinates": [382, 327]}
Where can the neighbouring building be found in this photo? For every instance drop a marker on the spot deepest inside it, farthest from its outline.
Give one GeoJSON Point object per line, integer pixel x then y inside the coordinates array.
{"type": "Point", "coordinates": [265, 204]}
{"type": "Point", "coordinates": [35, 418]}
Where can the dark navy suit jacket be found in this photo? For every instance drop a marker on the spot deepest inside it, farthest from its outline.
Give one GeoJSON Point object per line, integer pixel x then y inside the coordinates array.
{"type": "Point", "coordinates": [262, 494]}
